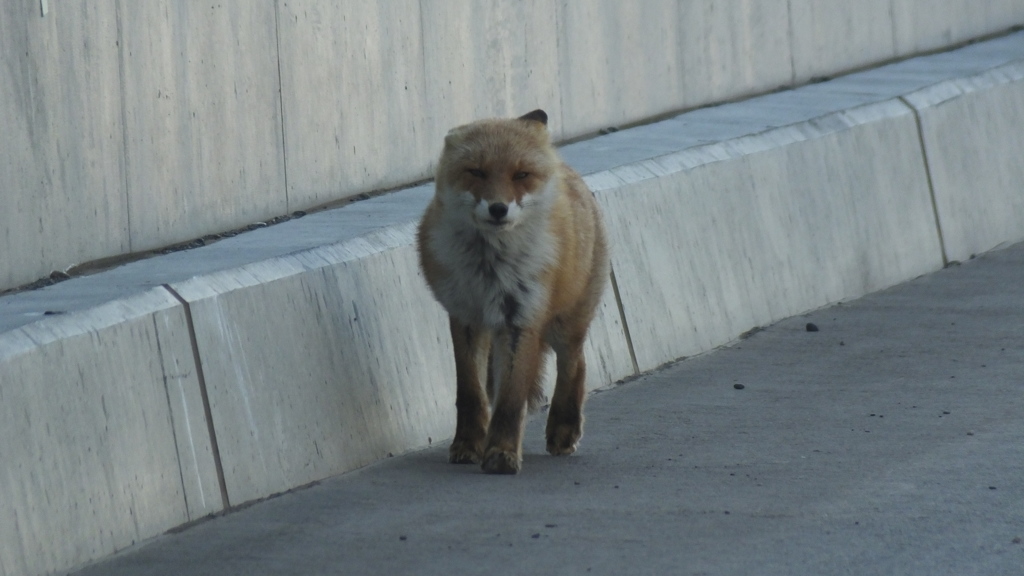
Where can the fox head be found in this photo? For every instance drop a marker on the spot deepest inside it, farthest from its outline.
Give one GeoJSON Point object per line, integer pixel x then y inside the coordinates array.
{"type": "Point", "coordinates": [495, 173]}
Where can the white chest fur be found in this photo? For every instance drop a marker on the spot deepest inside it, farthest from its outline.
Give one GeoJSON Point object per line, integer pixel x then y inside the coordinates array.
{"type": "Point", "coordinates": [493, 278]}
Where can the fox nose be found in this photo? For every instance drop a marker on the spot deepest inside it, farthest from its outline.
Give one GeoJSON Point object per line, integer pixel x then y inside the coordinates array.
{"type": "Point", "coordinates": [498, 210]}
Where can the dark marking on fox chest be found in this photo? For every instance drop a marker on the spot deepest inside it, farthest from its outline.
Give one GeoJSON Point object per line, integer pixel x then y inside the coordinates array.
{"type": "Point", "coordinates": [488, 258]}
{"type": "Point", "coordinates": [486, 269]}
{"type": "Point", "coordinates": [510, 309]}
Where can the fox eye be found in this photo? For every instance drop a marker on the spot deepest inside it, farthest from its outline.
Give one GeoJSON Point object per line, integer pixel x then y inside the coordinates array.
{"type": "Point", "coordinates": [520, 175]}
{"type": "Point", "coordinates": [476, 173]}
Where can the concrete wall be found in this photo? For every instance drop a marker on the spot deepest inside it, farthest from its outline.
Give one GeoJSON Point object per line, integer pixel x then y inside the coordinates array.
{"type": "Point", "coordinates": [919, 26]}
{"type": "Point", "coordinates": [140, 398]}
{"type": "Point", "coordinates": [134, 125]}
{"type": "Point", "coordinates": [62, 166]}
{"type": "Point", "coordinates": [203, 145]}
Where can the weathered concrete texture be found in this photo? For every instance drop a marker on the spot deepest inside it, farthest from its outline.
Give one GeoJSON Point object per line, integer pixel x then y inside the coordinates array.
{"type": "Point", "coordinates": [322, 362]}
{"type": "Point", "coordinates": [973, 133]}
{"type": "Point", "coordinates": [597, 68]}
{"type": "Point", "coordinates": [716, 240]}
{"type": "Point", "coordinates": [352, 84]}
{"type": "Point", "coordinates": [202, 117]}
{"type": "Point", "coordinates": [104, 437]}
{"type": "Point", "coordinates": [136, 125]}
{"type": "Point", "coordinates": [486, 59]}
{"type": "Point", "coordinates": [834, 36]}
{"type": "Point", "coordinates": [918, 26]}
{"type": "Point", "coordinates": [731, 50]}
{"type": "Point", "coordinates": [693, 53]}
{"type": "Point", "coordinates": [61, 169]}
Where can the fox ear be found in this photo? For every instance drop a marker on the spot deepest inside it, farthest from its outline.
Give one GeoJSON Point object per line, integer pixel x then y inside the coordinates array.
{"type": "Point", "coordinates": [537, 115]}
{"type": "Point", "coordinates": [454, 135]}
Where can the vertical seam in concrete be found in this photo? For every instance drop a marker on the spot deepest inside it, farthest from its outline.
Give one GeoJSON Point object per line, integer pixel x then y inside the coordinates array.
{"type": "Point", "coordinates": [124, 123]}
{"type": "Point", "coordinates": [280, 103]}
{"type": "Point", "coordinates": [792, 48]}
{"type": "Point", "coordinates": [423, 65]}
{"type": "Point", "coordinates": [928, 176]}
{"type": "Point", "coordinates": [892, 29]}
{"type": "Point", "coordinates": [559, 33]}
{"type": "Point", "coordinates": [170, 413]}
{"type": "Point", "coordinates": [625, 326]}
{"type": "Point", "coordinates": [214, 447]}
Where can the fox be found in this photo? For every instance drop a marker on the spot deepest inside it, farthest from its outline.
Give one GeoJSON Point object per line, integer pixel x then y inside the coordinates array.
{"type": "Point", "coordinates": [513, 247]}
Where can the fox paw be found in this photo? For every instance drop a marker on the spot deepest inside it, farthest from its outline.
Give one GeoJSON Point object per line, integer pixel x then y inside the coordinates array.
{"type": "Point", "coordinates": [463, 452]}
{"type": "Point", "coordinates": [563, 439]}
{"type": "Point", "coordinates": [501, 462]}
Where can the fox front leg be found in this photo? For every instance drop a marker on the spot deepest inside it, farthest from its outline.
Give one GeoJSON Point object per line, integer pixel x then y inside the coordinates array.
{"type": "Point", "coordinates": [521, 378]}
{"type": "Point", "coordinates": [472, 413]}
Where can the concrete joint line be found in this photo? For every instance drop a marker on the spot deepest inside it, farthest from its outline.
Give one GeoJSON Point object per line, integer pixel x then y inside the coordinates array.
{"type": "Point", "coordinates": [928, 175]}
{"type": "Point", "coordinates": [280, 103]}
{"type": "Point", "coordinates": [789, 39]}
{"type": "Point", "coordinates": [174, 432]}
{"type": "Point", "coordinates": [625, 326]}
{"type": "Point", "coordinates": [125, 167]}
{"type": "Point", "coordinates": [226, 503]}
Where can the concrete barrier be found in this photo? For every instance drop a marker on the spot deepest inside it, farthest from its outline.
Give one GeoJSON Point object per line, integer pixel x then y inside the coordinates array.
{"type": "Point", "coordinates": [371, 376]}
{"type": "Point", "coordinates": [149, 395]}
{"type": "Point", "coordinates": [718, 239]}
{"type": "Point", "coordinates": [973, 134]}
{"type": "Point", "coordinates": [104, 440]}
{"type": "Point", "coordinates": [134, 125]}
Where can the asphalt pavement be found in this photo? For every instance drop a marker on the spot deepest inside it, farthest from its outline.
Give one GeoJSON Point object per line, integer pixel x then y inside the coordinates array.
{"type": "Point", "coordinates": [890, 441]}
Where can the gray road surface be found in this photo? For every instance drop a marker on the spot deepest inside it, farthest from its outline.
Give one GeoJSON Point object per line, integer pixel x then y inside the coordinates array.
{"type": "Point", "coordinates": [889, 442]}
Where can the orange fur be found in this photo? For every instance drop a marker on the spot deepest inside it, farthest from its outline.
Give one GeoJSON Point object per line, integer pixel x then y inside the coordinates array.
{"type": "Point", "coordinates": [513, 247]}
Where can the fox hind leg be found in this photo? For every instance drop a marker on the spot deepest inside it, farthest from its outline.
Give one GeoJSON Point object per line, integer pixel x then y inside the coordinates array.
{"type": "Point", "coordinates": [565, 417]}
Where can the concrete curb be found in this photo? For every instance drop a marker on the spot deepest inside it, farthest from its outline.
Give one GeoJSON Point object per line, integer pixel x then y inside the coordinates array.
{"type": "Point", "coordinates": [172, 388]}
{"type": "Point", "coordinates": [104, 441]}
{"type": "Point", "coordinates": [970, 129]}
{"type": "Point", "coordinates": [784, 221]}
